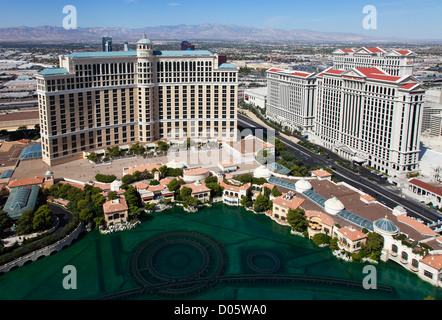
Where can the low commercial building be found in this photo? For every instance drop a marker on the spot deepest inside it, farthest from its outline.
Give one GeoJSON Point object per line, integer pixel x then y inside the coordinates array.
{"type": "Point", "coordinates": [256, 97]}
{"type": "Point", "coordinates": [227, 166]}
{"type": "Point", "coordinates": [425, 191]}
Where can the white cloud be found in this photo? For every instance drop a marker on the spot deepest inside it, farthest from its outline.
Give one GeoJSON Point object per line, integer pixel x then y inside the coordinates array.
{"type": "Point", "coordinates": [173, 4]}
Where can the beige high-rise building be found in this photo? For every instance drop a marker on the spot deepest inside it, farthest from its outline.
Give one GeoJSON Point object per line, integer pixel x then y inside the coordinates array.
{"type": "Point", "coordinates": [100, 99]}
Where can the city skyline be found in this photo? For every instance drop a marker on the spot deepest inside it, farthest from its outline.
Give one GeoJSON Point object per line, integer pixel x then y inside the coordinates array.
{"type": "Point", "coordinates": [393, 17]}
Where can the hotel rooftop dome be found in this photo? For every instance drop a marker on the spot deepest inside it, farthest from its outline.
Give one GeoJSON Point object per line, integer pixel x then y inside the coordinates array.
{"type": "Point", "coordinates": [262, 172]}
{"type": "Point", "coordinates": [385, 227]}
{"type": "Point", "coordinates": [303, 185]}
{"type": "Point", "coordinates": [144, 40]}
{"type": "Point", "coordinates": [333, 206]}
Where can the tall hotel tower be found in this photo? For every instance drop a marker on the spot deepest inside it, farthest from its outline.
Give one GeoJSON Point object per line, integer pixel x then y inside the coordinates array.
{"type": "Point", "coordinates": [367, 115]}
{"type": "Point", "coordinates": [97, 100]}
{"type": "Point", "coordinates": [366, 108]}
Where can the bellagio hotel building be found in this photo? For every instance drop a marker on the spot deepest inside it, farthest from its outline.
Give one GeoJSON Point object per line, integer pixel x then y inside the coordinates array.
{"type": "Point", "coordinates": [96, 100]}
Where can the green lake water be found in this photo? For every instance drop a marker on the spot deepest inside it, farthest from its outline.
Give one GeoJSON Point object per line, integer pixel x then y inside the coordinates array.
{"type": "Point", "coordinates": [251, 245]}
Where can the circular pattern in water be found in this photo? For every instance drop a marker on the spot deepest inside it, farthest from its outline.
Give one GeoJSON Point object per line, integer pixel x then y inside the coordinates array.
{"type": "Point", "coordinates": [177, 263]}
{"type": "Point", "coordinates": [263, 262]}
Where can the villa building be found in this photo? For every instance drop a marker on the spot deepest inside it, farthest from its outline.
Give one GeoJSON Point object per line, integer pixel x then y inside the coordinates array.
{"type": "Point", "coordinates": [232, 195]}
{"type": "Point", "coordinates": [199, 191]}
{"type": "Point", "coordinates": [96, 100]}
{"type": "Point", "coordinates": [283, 204]}
{"type": "Point", "coordinates": [350, 239]}
{"type": "Point", "coordinates": [115, 211]}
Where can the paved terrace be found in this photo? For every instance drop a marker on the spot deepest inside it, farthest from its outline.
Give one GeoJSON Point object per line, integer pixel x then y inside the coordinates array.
{"type": "Point", "coordinates": [83, 170]}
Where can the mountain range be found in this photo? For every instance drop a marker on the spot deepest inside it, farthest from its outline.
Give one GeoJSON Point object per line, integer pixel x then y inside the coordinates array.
{"type": "Point", "coordinates": [178, 32]}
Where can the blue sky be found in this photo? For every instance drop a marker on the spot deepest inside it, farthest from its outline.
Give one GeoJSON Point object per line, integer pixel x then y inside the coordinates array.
{"type": "Point", "coordinates": [415, 19]}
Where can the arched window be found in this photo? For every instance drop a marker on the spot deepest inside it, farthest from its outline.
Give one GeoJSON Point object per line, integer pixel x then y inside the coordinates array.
{"type": "Point", "coordinates": [394, 248]}
{"type": "Point", "coordinates": [415, 263]}
{"type": "Point", "coordinates": [404, 255]}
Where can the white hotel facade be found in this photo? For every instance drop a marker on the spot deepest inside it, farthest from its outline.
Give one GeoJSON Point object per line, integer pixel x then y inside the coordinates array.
{"type": "Point", "coordinates": [97, 100]}
{"type": "Point", "coordinates": [355, 108]}
{"type": "Point", "coordinates": [290, 98]}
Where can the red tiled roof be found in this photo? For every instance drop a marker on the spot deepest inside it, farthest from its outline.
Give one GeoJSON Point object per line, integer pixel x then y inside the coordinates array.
{"type": "Point", "coordinates": [426, 186]}
{"type": "Point", "coordinates": [347, 50]}
{"type": "Point", "coordinates": [116, 205]}
{"type": "Point", "coordinates": [234, 188]}
{"type": "Point", "coordinates": [195, 172]}
{"type": "Point", "coordinates": [301, 74]}
{"type": "Point", "coordinates": [434, 261]}
{"type": "Point", "coordinates": [374, 49]}
{"type": "Point", "coordinates": [294, 203]}
{"type": "Point", "coordinates": [25, 182]}
{"type": "Point", "coordinates": [321, 173]}
{"type": "Point", "coordinates": [409, 85]}
{"type": "Point", "coordinates": [325, 218]}
{"type": "Point", "coordinates": [420, 227]}
{"type": "Point", "coordinates": [403, 52]}
{"type": "Point", "coordinates": [275, 70]}
{"type": "Point", "coordinates": [196, 188]}
{"type": "Point", "coordinates": [377, 74]}
{"type": "Point", "coordinates": [156, 188]}
{"type": "Point", "coordinates": [334, 71]}
{"type": "Point", "coordinates": [352, 233]}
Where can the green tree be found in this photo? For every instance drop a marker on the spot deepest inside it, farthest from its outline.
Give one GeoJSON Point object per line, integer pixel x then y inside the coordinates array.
{"type": "Point", "coordinates": [98, 200]}
{"type": "Point", "coordinates": [164, 170]}
{"type": "Point", "coordinates": [24, 223]}
{"type": "Point", "coordinates": [42, 218]}
{"type": "Point", "coordinates": [86, 215]}
{"type": "Point", "coordinates": [81, 204]}
{"type": "Point", "coordinates": [334, 244]}
{"type": "Point", "coordinates": [112, 195]}
{"type": "Point", "coordinates": [163, 146]}
{"type": "Point", "coordinates": [127, 179]}
{"type": "Point", "coordinates": [297, 220]}
{"type": "Point", "coordinates": [186, 192]}
{"type": "Point", "coordinates": [373, 246]}
{"type": "Point", "coordinates": [92, 157]}
{"type": "Point", "coordinates": [173, 185]}
{"type": "Point", "coordinates": [321, 238]}
{"type": "Point", "coordinates": [276, 192]}
{"type": "Point", "coordinates": [261, 203]}
{"type": "Point", "coordinates": [136, 148]}
{"type": "Point", "coordinates": [154, 182]}
{"type": "Point", "coordinates": [215, 189]}
{"type": "Point", "coordinates": [4, 222]}
{"type": "Point", "coordinates": [245, 202]}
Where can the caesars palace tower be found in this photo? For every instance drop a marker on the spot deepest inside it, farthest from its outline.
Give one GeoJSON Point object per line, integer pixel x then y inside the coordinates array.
{"type": "Point", "coordinates": [96, 100]}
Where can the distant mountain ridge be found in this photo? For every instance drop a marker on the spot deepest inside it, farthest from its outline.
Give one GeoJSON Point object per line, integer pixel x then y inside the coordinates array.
{"type": "Point", "coordinates": [179, 32]}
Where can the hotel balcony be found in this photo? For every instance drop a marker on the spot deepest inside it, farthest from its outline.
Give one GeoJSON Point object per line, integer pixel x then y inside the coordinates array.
{"type": "Point", "coordinates": [414, 269]}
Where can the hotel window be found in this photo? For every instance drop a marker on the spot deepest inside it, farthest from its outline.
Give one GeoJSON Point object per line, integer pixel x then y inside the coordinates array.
{"type": "Point", "coordinates": [428, 274]}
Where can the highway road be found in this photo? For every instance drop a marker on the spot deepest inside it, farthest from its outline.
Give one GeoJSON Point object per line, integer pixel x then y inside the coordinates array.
{"type": "Point", "coordinates": [379, 188]}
